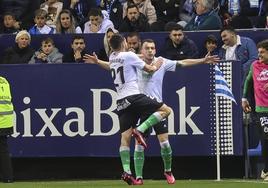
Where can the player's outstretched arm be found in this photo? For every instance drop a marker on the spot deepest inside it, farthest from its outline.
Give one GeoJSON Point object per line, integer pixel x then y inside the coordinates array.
{"type": "Point", "coordinates": [93, 59]}
{"type": "Point", "coordinates": [206, 60]}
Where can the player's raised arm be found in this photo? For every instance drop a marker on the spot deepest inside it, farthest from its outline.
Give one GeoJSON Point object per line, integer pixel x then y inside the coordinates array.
{"type": "Point", "coordinates": [93, 59]}
{"type": "Point", "coordinates": [206, 60]}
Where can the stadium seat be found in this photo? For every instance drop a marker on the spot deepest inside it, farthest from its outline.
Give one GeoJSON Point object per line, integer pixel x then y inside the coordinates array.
{"type": "Point", "coordinates": [255, 162]}
{"type": "Point", "coordinates": [255, 151]}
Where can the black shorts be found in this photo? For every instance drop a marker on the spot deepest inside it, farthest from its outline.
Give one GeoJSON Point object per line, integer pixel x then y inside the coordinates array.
{"type": "Point", "coordinates": [130, 109]}
{"type": "Point", "coordinates": [263, 124]}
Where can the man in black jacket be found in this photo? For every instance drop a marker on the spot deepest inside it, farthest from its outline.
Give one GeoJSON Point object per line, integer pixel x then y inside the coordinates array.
{"type": "Point", "coordinates": [177, 46]}
{"type": "Point", "coordinates": [78, 51]}
{"type": "Point", "coordinates": [134, 21]}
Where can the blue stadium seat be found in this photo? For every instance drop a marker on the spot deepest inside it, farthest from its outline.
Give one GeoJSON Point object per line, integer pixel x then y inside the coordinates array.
{"type": "Point", "coordinates": [255, 162]}
{"type": "Point", "coordinates": [255, 151]}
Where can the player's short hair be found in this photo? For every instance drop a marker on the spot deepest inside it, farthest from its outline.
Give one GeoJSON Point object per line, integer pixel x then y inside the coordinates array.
{"type": "Point", "coordinates": [263, 44]}
{"type": "Point", "coordinates": [116, 41]}
{"type": "Point", "coordinates": [147, 40]}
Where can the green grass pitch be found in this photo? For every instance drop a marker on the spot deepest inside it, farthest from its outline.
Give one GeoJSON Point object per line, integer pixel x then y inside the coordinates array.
{"type": "Point", "coordinates": [147, 184]}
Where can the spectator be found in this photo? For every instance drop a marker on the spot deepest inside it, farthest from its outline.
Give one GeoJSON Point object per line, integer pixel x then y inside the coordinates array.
{"type": "Point", "coordinates": [186, 10]}
{"type": "Point", "coordinates": [53, 9]}
{"type": "Point", "coordinates": [107, 50]}
{"type": "Point", "coordinates": [235, 14]}
{"type": "Point", "coordinates": [244, 50]}
{"type": "Point", "coordinates": [23, 10]}
{"type": "Point", "coordinates": [206, 18]}
{"type": "Point", "coordinates": [79, 9]}
{"type": "Point", "coordinates": [10, 24]}
{"type": "Point", "coordinates": [134, 21]}
{"type": "Point", "coordinates": [134, 42]}
{"type": "Point", "coordinates": [145, 7]}
{"type": "Point", "coordinates": [98, 21]}
{"type": "Point", "coordinates": [66, 23]}
{"type": "Point", "coordinates": [115, 11]}
{"type": "Point", "coordinates": [256, 12]}
{"type": "Point", "coordinates": [238, 48]}
{"type": "Point", "coordinates": [48, 53]}
{"type": "Point", "coordinates": [21, 53]}
{"type": "Point", "coordinates": [166, 11]}
{"type": "Point", "coordinates": [40, 26]}
{"type": "Point", "coordinates": [211, 44]}
{"type": "Point", "coordinates": [78, 50]}
{"type": "Point", "coordinates": [177, 46]}
{"type": "Point", "coordinates": [6, 129]}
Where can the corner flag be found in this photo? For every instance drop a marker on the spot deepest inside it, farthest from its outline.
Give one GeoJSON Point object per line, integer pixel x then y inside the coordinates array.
{"type": "Point", "coordinates": [221, 89]}
{"type": "Point", "coordinates": [221, 86]}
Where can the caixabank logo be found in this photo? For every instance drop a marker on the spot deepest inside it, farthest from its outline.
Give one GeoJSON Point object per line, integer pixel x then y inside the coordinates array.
{"type": "Point", "coordinates": [75, 121]}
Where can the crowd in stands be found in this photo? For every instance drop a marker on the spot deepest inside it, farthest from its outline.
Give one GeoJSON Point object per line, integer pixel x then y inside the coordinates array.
{"type": "Point", "coordinates": [130, 16]}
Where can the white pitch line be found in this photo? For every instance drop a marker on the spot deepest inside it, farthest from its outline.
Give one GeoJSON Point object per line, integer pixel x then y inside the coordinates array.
{"type": "Point", "coordinates": [248, 181]}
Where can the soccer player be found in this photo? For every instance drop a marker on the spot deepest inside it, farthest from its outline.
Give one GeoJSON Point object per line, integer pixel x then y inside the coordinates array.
{"type": "Point", "coordinates": [147, 83]}
{"type": "Point", "coordinates": [257, 79]}
{"type": "Point", "coordinates": [151, 84]}
{"type": "Point", "coordinates": [131, 104]}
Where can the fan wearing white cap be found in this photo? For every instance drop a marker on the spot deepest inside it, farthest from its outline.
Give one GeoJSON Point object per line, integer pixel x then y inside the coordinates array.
{"type": "Point", "coordinates": [21, 52]}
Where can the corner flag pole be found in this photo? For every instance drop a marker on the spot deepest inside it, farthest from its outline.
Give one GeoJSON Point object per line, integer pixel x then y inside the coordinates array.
{"type": "Point", "coordinates": [218, 141]}
{"type": "Point", "coordinates": [221, 89]}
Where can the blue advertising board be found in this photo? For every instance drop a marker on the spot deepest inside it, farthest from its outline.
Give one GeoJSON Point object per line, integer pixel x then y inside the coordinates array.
{"type": "Point", "coordinates": [66, 110]}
